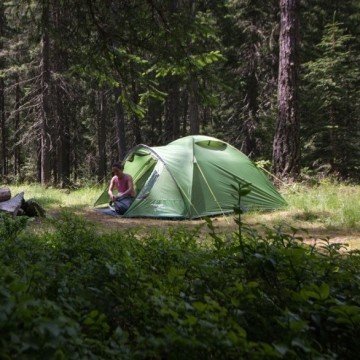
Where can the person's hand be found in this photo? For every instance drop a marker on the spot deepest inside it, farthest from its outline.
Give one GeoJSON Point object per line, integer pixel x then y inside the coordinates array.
{"type": "Point", "coordinates": [112, 197]}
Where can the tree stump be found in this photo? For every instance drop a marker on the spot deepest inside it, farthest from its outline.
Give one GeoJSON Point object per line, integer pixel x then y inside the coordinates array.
{"type": "Point", "coordinates": [5, 194]}
{"type": "Point", "coordinates": [32, 208]}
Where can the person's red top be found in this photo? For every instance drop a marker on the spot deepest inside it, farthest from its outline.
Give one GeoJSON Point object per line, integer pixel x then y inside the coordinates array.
{"type": "Point", "coordinates": [123, 184]}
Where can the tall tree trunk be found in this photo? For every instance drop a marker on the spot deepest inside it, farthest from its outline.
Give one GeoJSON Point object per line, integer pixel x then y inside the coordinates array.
{"type": "Point", "coordinates": [185, 107]}
{"type": "Point", "coordinates": [135, 121]}
{"type": "Point", "coordinates": [194, 108]}
{"type": "Point", "coordinates": [4, 170]}
{"type": "Point", "coordinates": [120, 125]}
{"type": "Point", "coordinates": [134, 118]}
{"type": "Point", "coordinates": [63, 108]}
{"type": "Point", "coordinates": [171, 125]}
{"type": "Point", "coordinates": [65, 169]}
{"type": "Point", "coordinates": [206, 115]}
{"type": "Point", "coordinates": [2, 98]}
{"type": "Point", "coordinates": [45, 96]}
{"type": "Point", "coordinates": [17, 153]}
{"type": "Point", "coordinates": [154, 118]}
{"type": "Point", "coordinates": [334, 155]}
{"type": "Point", "coordinates": [286, 146]}
{"type": "Point", "coordinates": [63, 144]}
{"type": "Point", "coordinates": [38, 160]}
{"type": "Point", "coordinates": [172, 121]}
{"type": "Point", "coordinates": [101, 132]}
{"type": "Point", "coordinates": [249, 126]}
{"type": "Point", "coordinates": [74, 153]}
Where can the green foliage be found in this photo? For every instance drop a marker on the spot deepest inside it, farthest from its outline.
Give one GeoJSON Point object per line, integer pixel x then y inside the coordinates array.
{"type": "Point", "coordinates": [130, 72]}
{"type": "Point", "coordinates": [73, 293]}
{"type": "Point", "coordinates": [11, 227]}
{"type": "Point", "coordinates": [332, 97]}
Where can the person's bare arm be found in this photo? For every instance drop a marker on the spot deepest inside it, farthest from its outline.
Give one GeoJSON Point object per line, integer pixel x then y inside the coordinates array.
{"type": "Point", "coordinates": [111, 187]}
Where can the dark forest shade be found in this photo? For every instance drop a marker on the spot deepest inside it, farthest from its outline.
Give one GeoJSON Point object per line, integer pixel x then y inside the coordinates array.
{"type": "Point", "coordinates": [171, 68]}
{"type": "Point", "coordinates": [2, 96]}
{"type": "Point", "coordinates": [286, 148]}
{"type": "Point", "coordinates": [45, 96]}
{"type": "Point", "coordinates": [101, 130]}
{"type": "Point", "coordinates": [17, 148]}
{"type": "Point", "coordinates": [119, 124]}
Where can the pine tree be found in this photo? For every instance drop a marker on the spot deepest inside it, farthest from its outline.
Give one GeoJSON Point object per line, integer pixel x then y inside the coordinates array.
{"type": "Point", "coordinates": [3, 129]}
{"type": "Point", "coordinates": [286, 146]}
{"type": "Point", "coordinates": [333, 103]}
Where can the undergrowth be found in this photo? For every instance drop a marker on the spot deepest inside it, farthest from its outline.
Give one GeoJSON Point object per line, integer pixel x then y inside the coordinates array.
{"type": "Point", "coordinates": [73, 294]}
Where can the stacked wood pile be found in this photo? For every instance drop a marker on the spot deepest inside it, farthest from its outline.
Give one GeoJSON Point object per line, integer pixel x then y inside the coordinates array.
{"type": "Point", "coordinates": [18, 206]}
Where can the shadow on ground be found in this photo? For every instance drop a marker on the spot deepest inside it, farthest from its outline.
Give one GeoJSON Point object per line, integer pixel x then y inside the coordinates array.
{"type": "Point", "coordinates": [309, 228]}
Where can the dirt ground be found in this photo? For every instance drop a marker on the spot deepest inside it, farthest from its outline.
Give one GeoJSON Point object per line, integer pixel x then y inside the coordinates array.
{"type": "Point", "coordinates": [225, 224]}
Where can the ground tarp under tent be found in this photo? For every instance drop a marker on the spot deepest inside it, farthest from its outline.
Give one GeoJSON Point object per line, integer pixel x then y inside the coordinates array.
{"type": "Point", "coordinates": [194, 177]}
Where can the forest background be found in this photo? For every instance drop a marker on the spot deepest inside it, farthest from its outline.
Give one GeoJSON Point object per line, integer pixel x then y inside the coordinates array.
{"type": "Point", "coordinates": [81, 82]}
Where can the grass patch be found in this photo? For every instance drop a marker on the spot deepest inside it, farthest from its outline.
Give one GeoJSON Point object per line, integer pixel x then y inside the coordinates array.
{"type": "Point", "coordinates": [327, 209]}
{"type": "Point", "coordinates": [335, 205]}
{"type": "Point", "coordinates": [52, 198]}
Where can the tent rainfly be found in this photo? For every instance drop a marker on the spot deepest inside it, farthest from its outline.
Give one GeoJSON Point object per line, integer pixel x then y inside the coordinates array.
{"type": "Point", "coordinates": [194, 177]}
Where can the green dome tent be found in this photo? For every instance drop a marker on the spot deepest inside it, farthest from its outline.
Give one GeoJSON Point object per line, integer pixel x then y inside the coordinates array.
{"type": "Point", "coordinates": [193, 177]}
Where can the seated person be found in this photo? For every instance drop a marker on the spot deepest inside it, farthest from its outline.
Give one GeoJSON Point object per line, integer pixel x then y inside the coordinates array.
{"type": "Point", "coordinates": [125, 187]}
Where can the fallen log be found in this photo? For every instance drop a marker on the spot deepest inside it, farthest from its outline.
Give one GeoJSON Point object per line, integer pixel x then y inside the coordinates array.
{"type": "Point", "coordinates": [13, 205]}
{"type": "Point", "coordinates": [5, 194]}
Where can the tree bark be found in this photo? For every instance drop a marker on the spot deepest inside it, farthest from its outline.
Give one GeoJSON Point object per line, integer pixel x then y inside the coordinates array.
{"type": "Point", "coordinates": [65, 169]}
{"type": "Point", "coordinates": [4, 169]}
{"type": "Point", "coordinates": [249, 126]}
{"type": "Point", "coordinates": [45, 96]}
{"type": "Point", "coordinates": [185, 106]}
{"type": "Point", "coordinates": [64, 111]}
{"type": "Point", "coordinates": [120, 125]}
{"type": "Point", "coordinates": [154, 118]}
{"type": "Point", "coordinates": [334, 154]}
{"type": "Point", "coordinates": [17, 149]}
{"type": "Point", "coordinates": [194, 119]}
{"type": "Point", "coordinates": [172, 118]}
{"type": "Point", "coordinates": [194, 108]}
{"type": "Point", "coordinates": [135, 119]}
{"type": "Point", "coordinates": [101, 134]}
{"type": "Point", "coordinates": [75, 155]}
{"type": "Point", "coordinates": [286, 145]}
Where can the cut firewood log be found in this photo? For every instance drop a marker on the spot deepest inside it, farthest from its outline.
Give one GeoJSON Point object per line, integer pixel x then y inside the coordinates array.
{"type": "Point", "coordinates": [13, 205]}
{"type": "Point", "coordinates": [5, 194]}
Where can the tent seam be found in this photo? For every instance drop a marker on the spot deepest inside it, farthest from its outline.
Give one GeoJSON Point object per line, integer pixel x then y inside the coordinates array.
{"type": "Point", "coordinates": [212, 193]}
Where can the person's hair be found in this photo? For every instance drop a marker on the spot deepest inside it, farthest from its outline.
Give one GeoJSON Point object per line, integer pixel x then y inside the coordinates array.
{"type": "Point", "coordinates": [118, 165]}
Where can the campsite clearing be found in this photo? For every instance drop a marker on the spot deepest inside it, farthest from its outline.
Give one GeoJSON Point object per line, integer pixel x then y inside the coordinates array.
{"type": "Point", "coordinates": [326, 210]}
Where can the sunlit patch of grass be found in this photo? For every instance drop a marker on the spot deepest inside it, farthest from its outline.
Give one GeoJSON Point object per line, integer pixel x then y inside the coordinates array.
{"type": "Point", "coordinates": [52, 198]}
{"type": "Point", "coordinates": [328, 208]}
{"type": "Point", "coordinates": [333, 204]}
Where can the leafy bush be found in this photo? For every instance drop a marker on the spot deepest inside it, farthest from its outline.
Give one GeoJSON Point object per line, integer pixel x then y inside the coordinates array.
{"type": "Point", "coordinates": [73, 294]}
